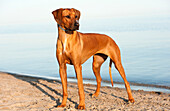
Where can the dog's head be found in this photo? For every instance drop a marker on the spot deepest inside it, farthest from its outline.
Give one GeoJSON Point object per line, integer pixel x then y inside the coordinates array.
{"type": "Point", "coordinates": [68, 19]}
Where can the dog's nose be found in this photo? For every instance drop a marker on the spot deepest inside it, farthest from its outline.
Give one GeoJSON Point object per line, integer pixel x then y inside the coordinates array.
{"type": "Point", "coordinates": [76, 24]}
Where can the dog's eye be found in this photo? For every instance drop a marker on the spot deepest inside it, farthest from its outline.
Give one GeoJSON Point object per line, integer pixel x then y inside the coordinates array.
{"type": "Point", "coordinates": [68, 16]}
{"type": "Point", "coordinates": [76, 16]}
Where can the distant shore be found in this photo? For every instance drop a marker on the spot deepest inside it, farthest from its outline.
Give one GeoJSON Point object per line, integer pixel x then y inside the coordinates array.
{"type": "Point", "coordinates": [18, 92]}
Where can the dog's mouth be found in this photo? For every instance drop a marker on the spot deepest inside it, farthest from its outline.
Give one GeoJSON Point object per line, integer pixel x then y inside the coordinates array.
{"type": "Point", "coordinates": [73, 28]}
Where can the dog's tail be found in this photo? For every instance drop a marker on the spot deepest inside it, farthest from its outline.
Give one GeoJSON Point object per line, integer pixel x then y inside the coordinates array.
{"type": "Point", "coordinates": [110, 71]}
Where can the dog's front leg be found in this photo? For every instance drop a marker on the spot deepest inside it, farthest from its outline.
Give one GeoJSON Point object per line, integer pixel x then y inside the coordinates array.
{"type": "Point", "coordinates": [78, 69]}
{"type": "Point", "coordinates": [63, 76]}
{"type": "Point", "coordinates": [62, 71]}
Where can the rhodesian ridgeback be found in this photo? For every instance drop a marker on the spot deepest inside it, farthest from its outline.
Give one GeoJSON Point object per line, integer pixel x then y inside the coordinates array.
{"type": "Point", "coordinates": [75, 48]}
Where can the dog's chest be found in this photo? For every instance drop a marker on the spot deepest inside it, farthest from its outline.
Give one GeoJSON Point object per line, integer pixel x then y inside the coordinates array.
{"type": "Point", "coordinates": [66, 46]}
{"type": "Point", "coordinates": [69, 43]}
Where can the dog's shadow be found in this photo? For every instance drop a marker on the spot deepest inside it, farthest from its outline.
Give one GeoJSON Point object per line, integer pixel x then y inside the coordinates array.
{"type": "Point", "coordinates": [125, 100]}
{"type": "Point", "coordinates": [34, 81]}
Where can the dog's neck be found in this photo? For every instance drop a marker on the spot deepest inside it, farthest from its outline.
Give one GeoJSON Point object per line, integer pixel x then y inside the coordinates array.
{"type": "Point", "coordinates": [63, 34]}
{"type": "Point", "coordinates": [65, 30]}
{"type": "Point", "coordinates": [59, 26]}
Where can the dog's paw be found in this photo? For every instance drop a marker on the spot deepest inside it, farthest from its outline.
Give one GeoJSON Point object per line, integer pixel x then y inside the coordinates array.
{"type": "Point", "coordinates": [95, 95]}
{"type": "Point", "coordinates": [132, 100]}
{"type": "Point", "coordinates": [62, 105]}
{"type": "Point", "coordinates": [81, 107]}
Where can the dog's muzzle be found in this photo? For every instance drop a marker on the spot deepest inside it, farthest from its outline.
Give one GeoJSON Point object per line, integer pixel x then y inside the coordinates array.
{"type": "Point", "coordinates": [76, 25]}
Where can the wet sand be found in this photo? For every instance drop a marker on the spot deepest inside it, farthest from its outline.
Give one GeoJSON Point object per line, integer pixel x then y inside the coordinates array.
{"type": "Point", "coordinates": [23, 93]}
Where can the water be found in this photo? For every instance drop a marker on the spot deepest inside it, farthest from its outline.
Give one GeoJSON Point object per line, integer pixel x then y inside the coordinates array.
{"type": "Point", "coordinates": [145, 56]}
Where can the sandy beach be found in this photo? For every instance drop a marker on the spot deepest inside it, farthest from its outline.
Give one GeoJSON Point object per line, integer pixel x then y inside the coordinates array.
{"type": "Point", "coordinates": [23, 93]}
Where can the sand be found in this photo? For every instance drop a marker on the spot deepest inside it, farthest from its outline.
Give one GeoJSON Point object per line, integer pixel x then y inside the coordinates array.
{"type": "Point", "coordinates": [22, 93]}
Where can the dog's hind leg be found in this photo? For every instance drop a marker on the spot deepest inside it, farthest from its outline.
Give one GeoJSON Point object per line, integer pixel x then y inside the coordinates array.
{"type": "Point", "coordinates": [98, 60]}
{"type": "Point", "coordinates": [116, 58]}
{"type": "Point", "coordinates": [120, 68]}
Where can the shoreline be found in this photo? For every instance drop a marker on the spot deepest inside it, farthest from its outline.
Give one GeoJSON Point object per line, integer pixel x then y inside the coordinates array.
{"type": "Point", "coordinates": [18, 92]}
{"type": "Point", "coordinates": [134, 86]}
{"type": "Point", "coordinates": [132, 83]}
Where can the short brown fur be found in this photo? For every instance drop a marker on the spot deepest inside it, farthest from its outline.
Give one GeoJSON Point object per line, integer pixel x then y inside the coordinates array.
{"type": "Point", "coordinates": [75, 48]}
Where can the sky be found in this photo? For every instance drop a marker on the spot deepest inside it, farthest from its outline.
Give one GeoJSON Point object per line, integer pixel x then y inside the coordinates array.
{"type": "Point", "coordinates": [18, 13]}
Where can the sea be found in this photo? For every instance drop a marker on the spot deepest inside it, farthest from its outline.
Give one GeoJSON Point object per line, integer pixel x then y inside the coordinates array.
{"type": "Point", "coordinates": [145, 51]}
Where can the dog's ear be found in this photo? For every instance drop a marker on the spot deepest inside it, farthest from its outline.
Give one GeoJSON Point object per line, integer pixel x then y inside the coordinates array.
{"type": "Point", "coordinates": [77, 13]}
{"type": "Point", "coordinates": [58, 15]}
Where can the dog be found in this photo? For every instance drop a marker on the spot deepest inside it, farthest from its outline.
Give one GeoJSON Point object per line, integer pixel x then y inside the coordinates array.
{"type": "Point", "coordinates": [75, 48]}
